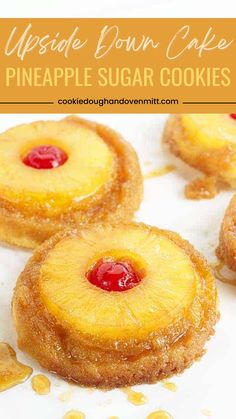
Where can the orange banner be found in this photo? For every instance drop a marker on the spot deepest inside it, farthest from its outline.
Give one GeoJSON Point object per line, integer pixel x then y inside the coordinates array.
{"type": "Point", "coordinates": [117, 65]}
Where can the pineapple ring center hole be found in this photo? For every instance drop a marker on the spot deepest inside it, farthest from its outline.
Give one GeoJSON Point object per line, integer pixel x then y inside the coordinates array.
{"type": "Point", "coordinates": [112, 274]}
{"type": "Point", "coordinates": [45, 157]}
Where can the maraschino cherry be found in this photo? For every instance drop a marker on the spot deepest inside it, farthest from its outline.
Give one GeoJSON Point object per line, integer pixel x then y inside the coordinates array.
{"type": "Point", "coordinates": [113, 276]}
{"type": "Point", "coordinates": [45, 157]}
{"type": "Point", "coordinates": [232, 115]}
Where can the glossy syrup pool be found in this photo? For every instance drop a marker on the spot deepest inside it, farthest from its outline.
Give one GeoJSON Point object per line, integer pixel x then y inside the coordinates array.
{"type": "Point", "coordinates": [41, 384]}
{"type": "Point", "coordinates": [159, 414]}
{"type": "Point", "coordinates": [169, 386]}
{"type": "Point", "coordinates": [74, 414]}
{"type": "Point", "coordinates": [159, 172]}
{"type": "Point", "coordinates": [135, 397]}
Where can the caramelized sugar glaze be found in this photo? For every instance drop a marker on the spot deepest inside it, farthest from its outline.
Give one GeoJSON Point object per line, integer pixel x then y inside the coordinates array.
{"type": "Point", "coordinates": [12, 372]}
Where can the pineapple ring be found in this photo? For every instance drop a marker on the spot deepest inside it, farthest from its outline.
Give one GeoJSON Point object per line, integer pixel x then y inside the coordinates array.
{"type": "Point", "coordinates": [206, 142]}
{"type": "Point", "coordinates": [107, 339]}
{"type": "Point", "coordinates": [227, 243]}
{"type": "Point", "coordinates": [96, 182]}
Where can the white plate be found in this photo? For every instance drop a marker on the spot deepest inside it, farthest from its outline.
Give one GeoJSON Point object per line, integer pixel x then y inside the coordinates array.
{"type": "Point", "coordinates": [208, 384]}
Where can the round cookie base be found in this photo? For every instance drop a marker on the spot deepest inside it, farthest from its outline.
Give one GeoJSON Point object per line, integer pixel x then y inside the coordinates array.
{"type": "Point", "coordinates": [50, 342]}
{"type": "Point", "coordinates": [212, 162]}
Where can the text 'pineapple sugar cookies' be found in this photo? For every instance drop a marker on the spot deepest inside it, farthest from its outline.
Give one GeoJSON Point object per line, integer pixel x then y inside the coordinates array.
{"type": "Point", "coordinates": [227, 242]}
{"type": "Point", "coordinates": [59, 174]}
{"type": "Point", "coordinates": [208, 143]}
{"type": "Point", "coordinates": [111, 306]}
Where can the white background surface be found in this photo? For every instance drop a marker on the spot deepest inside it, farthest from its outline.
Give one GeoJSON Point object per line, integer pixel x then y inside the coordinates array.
{"type": "Point", "coordinates": [117, 8]}
{"type": "Point", "coordinates": [208, 384]}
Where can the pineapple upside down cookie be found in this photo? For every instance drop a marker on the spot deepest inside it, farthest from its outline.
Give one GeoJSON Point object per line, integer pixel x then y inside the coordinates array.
{"type": "Point", "coordinates": [227, 241]}
{"type": "Point", "coordinates": [117, 305]}
{"type": "Point", "coordinates": [59, 174]}
{"type": "Point", "coordinates": [208, 143]}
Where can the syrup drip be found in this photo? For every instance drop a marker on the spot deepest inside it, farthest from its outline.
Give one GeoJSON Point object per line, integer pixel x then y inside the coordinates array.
{"type": "Point", "coordinates": [41, 384]}
{"type": "Point", "coordinates": [74, 414]}
{"type": "Point", "coordinates": [159, 414]}
{"type": "Point", "coordinates": [159, 172]}
{"type": "Point", "coordinates": [12, 372]}
{"type": "Point", "coordinates": [217, 268]}
{"type": "Point", "coordinates": [170, 386]}
{"type": "Point", "coordinates": [134, 397]}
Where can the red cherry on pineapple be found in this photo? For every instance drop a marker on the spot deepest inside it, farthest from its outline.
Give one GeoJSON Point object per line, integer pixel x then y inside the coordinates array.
{"type": "Point", "coordinates": [113, 276]}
